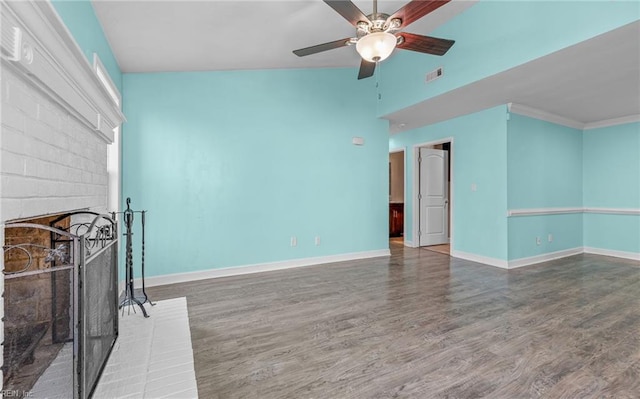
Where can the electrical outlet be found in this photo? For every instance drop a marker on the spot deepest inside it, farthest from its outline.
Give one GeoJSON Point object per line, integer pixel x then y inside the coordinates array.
{"type": "Point", "coordinates": [550, 238]}
{"type": "Point", "coordinates": [317, 240]}
{"type": "Point", "coordinates": [538, 241]}
{"type": "Point", "coordinates": [294, 241]}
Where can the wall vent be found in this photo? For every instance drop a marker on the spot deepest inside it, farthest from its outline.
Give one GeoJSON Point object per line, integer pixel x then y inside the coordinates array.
{"type": "Point", "coordinates": [433, 75]}
{"type": "Point", "coordinates": [11, 42]}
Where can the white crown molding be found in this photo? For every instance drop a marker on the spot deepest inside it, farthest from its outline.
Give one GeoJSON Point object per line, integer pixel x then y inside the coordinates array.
{"type": "Point", "coordinates": [613, 122]}
{"type": "Point", "coordinates": [614, 211]}
{"type": "Point", "coordinates": [544, 115]}
{"type": "Point", "coordinates": [532, 260]}
{"type": "Point", "coordinates": [503, 264]}
{"type": "Point", "coordinates": [535, 113]}
{"type": "Point", "coordinates": [562, 211]}
{"type": "Point", "coordinates": [258, 268]}
{"type": "Point", "coordinates": [53, 63]}
{"type": "Point", "coordinates": [614, 253]}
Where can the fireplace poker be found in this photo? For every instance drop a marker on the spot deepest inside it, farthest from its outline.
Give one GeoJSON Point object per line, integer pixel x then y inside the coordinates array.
{"type": "Point", "coordinates": [144, 292]}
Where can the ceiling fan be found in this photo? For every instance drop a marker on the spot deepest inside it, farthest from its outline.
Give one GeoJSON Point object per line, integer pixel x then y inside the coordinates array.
{"type": "Point", "coordinates": [377, 34]}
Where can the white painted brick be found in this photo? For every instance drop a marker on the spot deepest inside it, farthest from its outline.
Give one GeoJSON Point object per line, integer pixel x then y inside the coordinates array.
{"type": "Point", "coordinates": [11, 209]}
{"type": "Point", "coordinates": [18, 186]}
{"type": "Point", "coordinates": [12, 117]}
{"type": "Point", "coordinates": [86, 177]}
{"type": "Point", "coordinates": [45, 169]}
{"type": "Point", "coordinates": [50, 161]}
{"type": "Point", "coordinates": [12, 163]}
{"type": "Point", "coordinates": [45, 133]}
{"type": "Point", "coordinates": [22, 100]}
{"type": "Point", "coordinates": [75, 175]}
{"type": "Point", "coordinates": [49, 116]}
{"type": "Point", "coordinates": [32, 206]}
{"type": "Point", "coordinates": [47, 188]}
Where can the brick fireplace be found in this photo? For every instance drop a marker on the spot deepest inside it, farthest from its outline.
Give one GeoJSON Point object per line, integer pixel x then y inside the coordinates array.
{"type": "Point", "coordinates": [57, 123]}
{"type": "Point", "coordinates": [37, 307]}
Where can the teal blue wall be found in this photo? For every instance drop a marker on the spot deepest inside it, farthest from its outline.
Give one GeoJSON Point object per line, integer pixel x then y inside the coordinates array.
{"type": "Point", "coordinates": [611, 179]}
{"type": "Point", "coordinates": [544, 170]}
{"type": "Point", "coordinates": [479, 157]}
{"type": "Point", "coordinates": [493, 36]}
{"type": "Point", "coordinates": [230, 165]}
{"type": "Point", "coordinates": [80, 18]}
{"type": "Point", "coordinates": [544, 164]}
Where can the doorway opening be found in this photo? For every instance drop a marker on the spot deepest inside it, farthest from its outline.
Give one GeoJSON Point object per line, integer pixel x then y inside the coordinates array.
{"type": "Point", "coordinates": [396, 195]}
{"type": "Point", "coordinates": [432, 200]}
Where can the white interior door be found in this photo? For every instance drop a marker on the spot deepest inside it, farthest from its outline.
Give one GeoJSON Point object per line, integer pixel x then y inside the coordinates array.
{"type": "Point", "coordinates": [433, 198]}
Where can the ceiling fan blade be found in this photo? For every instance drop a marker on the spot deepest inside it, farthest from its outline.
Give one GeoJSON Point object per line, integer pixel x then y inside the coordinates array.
{"type": "Point", "coordinates": [416, 9]}
{"type": "Point", "coordinates": [366, 69]}
{"type": "Point", "coordinates": [318, 48]}
{"type": "Point", "coordinates": [348, 10]}
{"type": "Point", "coordinates": [425, 44]}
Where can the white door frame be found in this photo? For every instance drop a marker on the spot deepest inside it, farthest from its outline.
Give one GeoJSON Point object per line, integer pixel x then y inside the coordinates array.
{"type": "Point", "coordinates": [404, 194]}
{"type": "Point", "coordinates": [415, 241]}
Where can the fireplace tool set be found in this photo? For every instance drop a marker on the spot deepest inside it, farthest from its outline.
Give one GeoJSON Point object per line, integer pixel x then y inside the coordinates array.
{"type": "Point", "coordinates": [131, 297]}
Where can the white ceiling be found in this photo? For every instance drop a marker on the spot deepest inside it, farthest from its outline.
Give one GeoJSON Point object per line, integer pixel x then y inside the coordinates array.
{"type": "Point", "coordinates": [593, 81]}
{"type": "Point", "coordinates": [156, 36]}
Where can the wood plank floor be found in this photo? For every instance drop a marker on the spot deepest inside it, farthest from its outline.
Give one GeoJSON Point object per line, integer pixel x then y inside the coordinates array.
{"type": "Point", "coordinates": [419, 324]}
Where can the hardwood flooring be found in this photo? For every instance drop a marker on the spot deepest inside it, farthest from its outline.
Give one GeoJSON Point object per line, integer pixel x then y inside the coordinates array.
{"type": "Point", "coordinates": [419, 325]}
{"type": "Point", "coordinates": [443, 249]}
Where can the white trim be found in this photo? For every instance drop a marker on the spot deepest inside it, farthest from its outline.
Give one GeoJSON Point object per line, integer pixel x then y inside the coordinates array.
{"type": "Point", "coordinates": [561, 120]}
{"type": "Point", "coordinates": [416, 188]}
{"type": "Point", "coordinates": [543, 115]}
{"type": "Point", "coordinates": [404, 186]}
{"type": "Point", "coordinates": [531, 260]}
{"type": "Point", "coordinates": [501, 263]}
{"type": "Point", "coordinates": [259, 268]}
{"type": "Point", "coordinates": [614, 253]}
{"type": "Point", "coordinates": [561, 211]}
{"type": "Point", "coordinates": [409, 244]}
{"type": "Point", "coordinates": [613, 122]}
{"type": "Point", "coordinates": [542, 211]}
{"type": "Point", "coordinates": [105, 79]}
{"type": "Point", "coordinates": [57, 67]}
{"type": "Point", "coordinates": [614, 211]}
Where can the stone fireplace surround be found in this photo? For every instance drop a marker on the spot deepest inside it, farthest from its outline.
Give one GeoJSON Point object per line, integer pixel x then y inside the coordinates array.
{"type": "Point", "coordinates": [57, 121]}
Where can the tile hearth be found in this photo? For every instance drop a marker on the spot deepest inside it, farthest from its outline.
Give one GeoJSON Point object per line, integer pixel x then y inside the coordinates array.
{"type": "Point", "coordinates": [152, 358]}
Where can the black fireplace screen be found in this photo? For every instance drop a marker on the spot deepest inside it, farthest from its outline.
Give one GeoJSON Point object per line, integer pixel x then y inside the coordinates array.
{"type": "Point", "coordinates": [98, 313]}
{"type": "Point", "coordinates": [75, 272]}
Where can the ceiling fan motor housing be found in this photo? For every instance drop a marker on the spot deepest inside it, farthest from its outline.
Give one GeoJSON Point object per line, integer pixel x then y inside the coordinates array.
{"type": "Point", "coordinates": [378, 34]}
{"type": "Point", "coordinates": [377, 23]}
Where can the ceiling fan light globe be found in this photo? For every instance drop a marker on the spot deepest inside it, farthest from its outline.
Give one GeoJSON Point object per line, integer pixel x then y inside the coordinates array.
{"type": "Point", "coordinates": [376, 47]}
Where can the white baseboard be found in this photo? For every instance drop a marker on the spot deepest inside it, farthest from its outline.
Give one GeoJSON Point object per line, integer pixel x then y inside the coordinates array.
{"type": "Point", "coordinates": [258, 268]}
{"type": "Point", "coordinates": [503, 264]}
{"type": "Point", "coordinates": [409, 244]}
{"type": "Point", "coordinates": [611, 252]}
{"type": "Point", "coordinates": [531, 260]}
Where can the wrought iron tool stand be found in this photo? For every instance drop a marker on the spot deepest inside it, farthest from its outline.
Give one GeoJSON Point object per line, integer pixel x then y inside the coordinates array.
{"type": "Point", "coordinates": [130, 299]}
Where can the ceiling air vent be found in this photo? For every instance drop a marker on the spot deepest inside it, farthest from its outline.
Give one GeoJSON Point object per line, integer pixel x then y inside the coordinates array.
{"type": "Point", "coordinates": [433, 75]}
